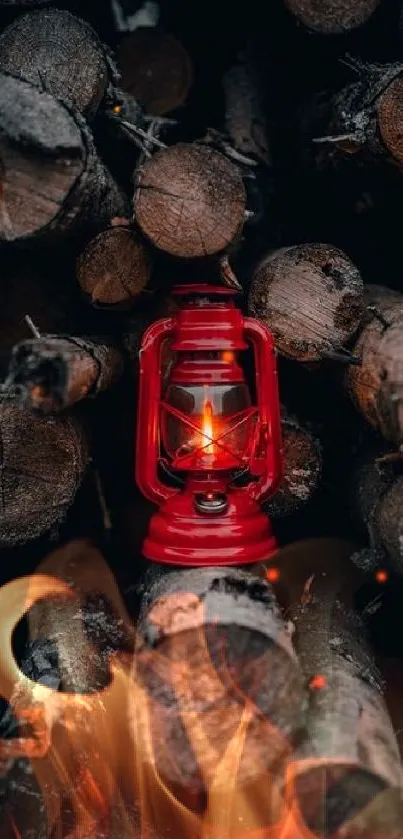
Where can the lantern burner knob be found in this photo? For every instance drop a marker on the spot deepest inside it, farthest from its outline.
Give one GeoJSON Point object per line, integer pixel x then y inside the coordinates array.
{"type": "Point", "coordinates": [211, 503]}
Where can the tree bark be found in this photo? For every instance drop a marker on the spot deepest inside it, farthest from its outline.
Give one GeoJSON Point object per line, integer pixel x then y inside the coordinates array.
{"type": "Point", "coordinates": [52, 181]}
{"type": "Point", "coordinates": [302, 469]}
{"type": "Point", "coordinates": [51, 373]}
{"type": "Point", "coordinates": [115, 267]}
{"type": "Point", "coordinates": [60, 54]}
{"type": "Point", "coordinates": [332, 17]}
{"type": "Point", "coordinates": [190, 201]}
{"type": "Point", "coordinates": [376, 384]}
{"type": "Point", "coordinates": [156, 69]}
{"type": "Point", "coordinates": [43, 461]}
{"type": "Point", "coordinates": [311, 297]}
{"type": "Point", "coordinates": [245, 121]}
{"type": "Point", "coordinates": [345, 776]}
{"type": "Point", "coordinates": [223, 630]}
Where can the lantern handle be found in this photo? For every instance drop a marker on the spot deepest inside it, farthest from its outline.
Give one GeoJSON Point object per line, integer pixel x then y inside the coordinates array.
{"type": "Point", "coordinates": [267, 457]}
{"type": "Point", "coordinates": [148, 418]}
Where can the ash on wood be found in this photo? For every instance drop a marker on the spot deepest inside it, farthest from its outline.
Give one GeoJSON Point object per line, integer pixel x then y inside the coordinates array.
{"type": "Point", "coordinates": [376, 385]}
{"type": "Point", "coordinates": [52, 179]}
{"type": "Point", "coordinates": [223, 627]}
{"type": "Point", "coordinates": [43, 461]}
{"type": "Point", "coordinates": [311, 297]}
{"type": "Point", "coordinates": [366, 117]}
{"type": "Point", "coordinates": [59, 53]}
{"type": "Point", "coordinates": [302, 469]}
{"type": "Point", "coordinates": [346, 774]}
{"type": "Point", "coordinates": [190, 201]}
{"type": "Point", "coordinates": [115, 267]}
{"type": "Point", "coordinates": [332, 17]}
{"type": "Point", "coordinates": [54, 372]}
{"type": "Point", "coordinates": [156, 69]}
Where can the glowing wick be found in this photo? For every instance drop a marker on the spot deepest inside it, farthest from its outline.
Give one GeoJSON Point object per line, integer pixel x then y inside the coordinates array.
{"type": "Point", "coordinates": [273, 575]}
{"type": "Point", "coordinates": [207, 426]}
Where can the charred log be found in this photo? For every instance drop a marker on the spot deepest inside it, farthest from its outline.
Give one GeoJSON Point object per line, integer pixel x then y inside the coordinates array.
{"type": "Point", "coordinates": [302, 469]}
{"type": "Point", "coordinates": [51, 373]}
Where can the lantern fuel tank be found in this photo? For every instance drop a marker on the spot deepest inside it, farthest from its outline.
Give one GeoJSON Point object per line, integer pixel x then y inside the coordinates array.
{"type": "Point", "coordinates": [208, 446]}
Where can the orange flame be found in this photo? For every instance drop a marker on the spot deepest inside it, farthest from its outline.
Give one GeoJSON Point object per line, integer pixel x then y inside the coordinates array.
{"type": "Point", "coordinates": [207, 425]}
{"type": "Point", "coordinates": [101, 756]}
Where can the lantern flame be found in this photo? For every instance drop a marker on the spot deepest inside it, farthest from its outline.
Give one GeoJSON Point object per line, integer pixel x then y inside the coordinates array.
{"type": "Point", "coordinates": [207, 426]}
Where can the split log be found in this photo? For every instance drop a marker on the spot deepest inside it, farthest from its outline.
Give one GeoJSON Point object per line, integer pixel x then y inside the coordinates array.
{"type": "Point", "coordinates": [302, 469]}
{"type": "Point", "coordinates": [115, 267]}
{"type": "Point", "coordinates": [311, 297]}
{"type": "Point", "coordinates": [190, 201]}
{"type": "Point", "coordinates": [345, 776]}
{"type": "Point", "coordinates": [52, 180]}
{"type": "Point", "coordinates": [156, 69]}
{"type": "Point", "coordinates": [51, 373]}
{"type": "Point", "coordinates": [332, 17]}
{"type": "Point", "coordinates": [210, 639]}
{"type": "Point", "coordinates": [376, 505]}
{"type": "Point", "coordinates": [42, 465]}
{"type": "Point", "coordinates": [365, 118]}
{"type": "Point", "coordinates": [60, 54]}
{"type": "Point", "coordinates": [376, 384]}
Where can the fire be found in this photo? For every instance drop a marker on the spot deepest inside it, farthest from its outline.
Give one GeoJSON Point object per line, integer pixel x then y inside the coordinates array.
{"type": "Point", "coordinates": [103, 757]}
{"type": "Point", "coordinates": [207, 425]}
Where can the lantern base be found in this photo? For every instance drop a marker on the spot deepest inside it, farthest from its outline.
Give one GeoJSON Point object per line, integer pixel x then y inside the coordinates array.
{"type": "Point", "coordinates": [179, 535]}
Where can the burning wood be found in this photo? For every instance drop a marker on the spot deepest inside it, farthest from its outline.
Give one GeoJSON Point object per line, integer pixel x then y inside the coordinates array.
{"type": "Point", "coordinates": [346, 775]}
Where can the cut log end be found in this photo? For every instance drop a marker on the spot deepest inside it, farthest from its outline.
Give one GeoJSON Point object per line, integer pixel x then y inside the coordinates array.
{"type": "Point", "coordinates": [43, 463]}
{"type": "Point", "coordinates": [114, 267]}
{"type": "Point", "coordinates": [332, 17]}
{"type": "Point", "coordinates": [57, 52]}
{"type": "Point", "coordinates": [390, 118]}
{"type": "Point", "coordinates": [190, 201]}
{"type": "Point", "coordinates": [310, 296]}
{"type": "Point", "coordinates": [156, 70]}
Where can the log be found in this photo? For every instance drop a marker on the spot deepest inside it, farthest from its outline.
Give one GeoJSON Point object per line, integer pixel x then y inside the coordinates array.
{"type": "Point", "coordinates": [332, 17]}
{"type": "Point", "coordinates": [376, 384]}
{"type": "Point", "coordinates": [311, 297]}
{"type": "Point", "coordinates": [60, 54]}
{"type": "Point", "coordinates": [114, 267]}
{"type": "Point", "coordinates": [345, 776]}
{"type": "Point", "coordinates": [210, 639]}
{"type": "Point", "coordinates": [245, 122]}
{"type": "Point", "coordinates": [156, 69]}
{"type": "Point", "coordinates": [51, 373]}
{"type": "Point", "coordinates": [376, 503]}
{"type": "Point", "coordinates": [43, 461]}
{"type": "Point", "coordinates": [365, 118]}
{"type": "Point", "coordinates": [190, 201]}
{"type": "Point", "coordinates": [302, 469]}
{"type": "Point", "coordinates": [52, 180]}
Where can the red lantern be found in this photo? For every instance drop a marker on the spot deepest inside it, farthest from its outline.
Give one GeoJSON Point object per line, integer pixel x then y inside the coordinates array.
{"type": "Point", "coordinates": [208, 451]}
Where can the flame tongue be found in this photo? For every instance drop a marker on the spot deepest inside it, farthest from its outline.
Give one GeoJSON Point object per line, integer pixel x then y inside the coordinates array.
{"type": "Point", "coordinates": [207, 427]}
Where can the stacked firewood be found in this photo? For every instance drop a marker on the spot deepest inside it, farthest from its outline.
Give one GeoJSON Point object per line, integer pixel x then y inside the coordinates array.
{"type": "Point", "coordinates": [134, 155]}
